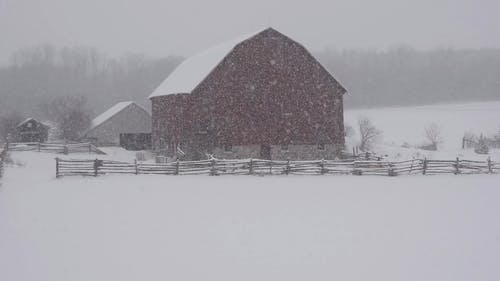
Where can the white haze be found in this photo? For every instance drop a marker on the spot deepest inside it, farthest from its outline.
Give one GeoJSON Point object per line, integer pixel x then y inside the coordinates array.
{"type": "Point", "coordinates": [161, 28]}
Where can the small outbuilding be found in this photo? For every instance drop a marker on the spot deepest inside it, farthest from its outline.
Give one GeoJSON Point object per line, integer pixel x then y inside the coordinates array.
{"type": "Point", "coordinates": [32, 130]}
{"type": "Point", "coordinates": [125, 124]}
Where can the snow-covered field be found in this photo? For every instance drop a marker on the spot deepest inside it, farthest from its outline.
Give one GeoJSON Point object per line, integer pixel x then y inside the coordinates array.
{"type": "Point", "coordinates": [401, 125]}
{"type": "Point", "coordinates": [127, 227]}
{"type": "Point", "coordinates": [246, 227]}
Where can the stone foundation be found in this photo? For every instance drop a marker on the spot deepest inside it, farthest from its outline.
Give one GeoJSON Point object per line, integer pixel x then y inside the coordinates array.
{"type": "Point", "coordinates": [305, 152]}
{"type": "Point", "coordinates": [278, 152]}
{"type": "Point", "coordinates": [238, 152]}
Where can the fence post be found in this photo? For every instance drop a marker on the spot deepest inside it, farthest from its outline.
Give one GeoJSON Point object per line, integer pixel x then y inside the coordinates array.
{"type": "Point", "coordinates": [391, 172]}
{"type": "Point", "coordinates": [176, 166]}
{"type": "Point", "coordinates": [57, 167]}
{"type": "Point", "coordinates": [424, 168]}
{"type": "Point", "coordinates": [90, 148]}
{"type": "Point", "coordinates": [96, 167]}
{"type": "Point", "coordinates": [38, 145]}
{"type": "Point", "coordinates": [355, 171]}
{"type": "Point", "coordinates": [322, 166]}
{"type": "Point", "coordinates": [270, 167]}
{"type": "Point", "coordinates": [136, 167]}
{"type": "Point", "coordinates": [287, 169]}
{"type": "Point", "coordinates": [250, 168]}
{"type": "Point", "coordinates": [213, 171]}
{"type": "Point", "coordinates": [490, 166]}
{"type": "Point", "coordinates": [457, 167]}
{"type": "Point", "coordinates": [1, 166]}
{"type": "Point", "coordinates": [65, 150]}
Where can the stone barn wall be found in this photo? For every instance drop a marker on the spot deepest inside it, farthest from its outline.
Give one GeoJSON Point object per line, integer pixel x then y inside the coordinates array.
{"type": "Point", "coordinates": [268, 91]}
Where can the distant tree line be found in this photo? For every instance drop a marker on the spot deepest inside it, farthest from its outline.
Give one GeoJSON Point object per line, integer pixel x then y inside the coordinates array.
{"type": "Point", "coordinates": [37, 75]}
{"type": "Point", "coordinates": [70, 86]}
{"type": "Point", "coordinates": [399, 76]}
{"type": "Point", "coordinates": [404, 76]}
{"type": "Point", "coordinates": [39, 80]}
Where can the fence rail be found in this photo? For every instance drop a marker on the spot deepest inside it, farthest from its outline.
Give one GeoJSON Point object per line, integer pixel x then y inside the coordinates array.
{"type": "Point", "coordinates": [65, 148]}
{"type": "Point", "coordinates": [270, 167]}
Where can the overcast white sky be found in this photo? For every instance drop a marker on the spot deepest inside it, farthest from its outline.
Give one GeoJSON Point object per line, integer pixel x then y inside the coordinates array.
{"type": "Point", "coordinates": [161, 28]}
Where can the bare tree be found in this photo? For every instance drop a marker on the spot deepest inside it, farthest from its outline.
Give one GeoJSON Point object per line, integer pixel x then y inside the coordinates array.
{"type": "Point", "coordinates": [8, 125]}
{"type": "Point", "coordinates": [70, 114]}
{"type": "Point", "coordinates": [482, 145]}
{"type": "Point", "coordinates": [368, 133]}
{"type": "Point", "coordinates": [433, 135]}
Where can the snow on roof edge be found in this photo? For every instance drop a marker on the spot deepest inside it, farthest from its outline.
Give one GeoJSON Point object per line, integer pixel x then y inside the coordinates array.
{"type": "Point", "coordinates": [25, 120]}
{"type": "Point", "coordinates": [28, 119]}
{"type": "Point", "coordinates": [192, 71]}
{"type": "Point", "coordinates": [106, 115]}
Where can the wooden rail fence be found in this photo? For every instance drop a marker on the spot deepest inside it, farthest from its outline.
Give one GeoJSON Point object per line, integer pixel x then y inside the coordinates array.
{"type": "Point", "coordinates": [65, 148]}
{"type": "Point", "coordinates": [268, 167]}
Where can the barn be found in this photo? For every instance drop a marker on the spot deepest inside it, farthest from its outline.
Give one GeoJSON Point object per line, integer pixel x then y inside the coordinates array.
{"type": "Point", "coordinates": [32, 130]}
{"type": "Point", "coordinates": [260, 96]}
{"type": "Point", "coordinates": [126, 124]}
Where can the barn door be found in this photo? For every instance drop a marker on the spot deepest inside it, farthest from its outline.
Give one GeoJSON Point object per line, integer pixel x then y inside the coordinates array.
{"type": "Point", "coordinates": [265, 151]}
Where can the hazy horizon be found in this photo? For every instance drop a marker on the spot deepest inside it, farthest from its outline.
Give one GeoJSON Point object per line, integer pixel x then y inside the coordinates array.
{"type": "Point", "coordinates": [163, 28]}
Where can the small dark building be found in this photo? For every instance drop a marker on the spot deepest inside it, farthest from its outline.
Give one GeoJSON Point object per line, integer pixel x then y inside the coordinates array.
{"type": "Point", "coordinates": [260, 96]}
{"type": "Point", "coordinates": [32, 130]}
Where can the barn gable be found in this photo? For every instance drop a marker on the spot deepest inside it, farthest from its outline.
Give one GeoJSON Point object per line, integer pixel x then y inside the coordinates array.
{"type": "Point", "coordinates": [249, 51]}
{"type": "Point", "coordinates": [198, 68]}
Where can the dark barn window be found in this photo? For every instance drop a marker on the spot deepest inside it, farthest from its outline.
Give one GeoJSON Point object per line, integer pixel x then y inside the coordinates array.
{"type": "Point", "coordinates": [136, 141]}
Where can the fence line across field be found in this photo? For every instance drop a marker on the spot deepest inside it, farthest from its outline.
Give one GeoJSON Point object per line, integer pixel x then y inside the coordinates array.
{"type": "Point", "coordinates": [65, 148]}
{"type": "Point", "coordinates": [271, 167]}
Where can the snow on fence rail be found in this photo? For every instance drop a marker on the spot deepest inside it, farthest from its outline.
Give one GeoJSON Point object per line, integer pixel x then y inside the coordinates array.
{"type": "Point", "coordinates": [270, 167]}
{"type": "Point", "coordinates": [65, 148]}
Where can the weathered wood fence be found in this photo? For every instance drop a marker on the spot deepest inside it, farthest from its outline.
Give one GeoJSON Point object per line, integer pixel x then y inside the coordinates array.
{"type": "Point", "coordinates": [267, 167]}
{"type": "Point", "coordinates": [65, 148]}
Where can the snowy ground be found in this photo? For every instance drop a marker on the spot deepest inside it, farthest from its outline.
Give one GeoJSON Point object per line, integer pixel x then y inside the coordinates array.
{"type": "Point", "coordinates": [246, 227]}
{"type": "Point", "coordinates": [407, 124]}
{"type": "Point", "coordinates": [127, 227]}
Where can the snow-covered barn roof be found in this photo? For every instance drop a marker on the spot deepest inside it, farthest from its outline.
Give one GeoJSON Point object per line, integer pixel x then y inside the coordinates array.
{"type": "Point", "coordinates": [194, 69]}
{"type": "Point", "coordinates": [105, 116]}
{"type": "Point", "coordinates": [25, 121]}
{"type": "Point", "coordinates": [30, 119]}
